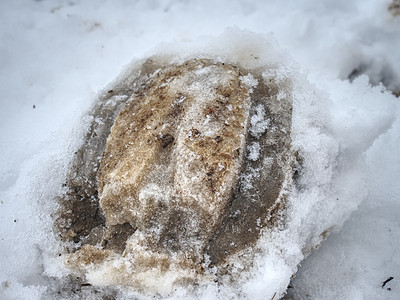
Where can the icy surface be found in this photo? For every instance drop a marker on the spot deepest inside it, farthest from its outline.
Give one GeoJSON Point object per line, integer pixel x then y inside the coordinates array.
{"type": "Point", "coordinates": [55, 57]}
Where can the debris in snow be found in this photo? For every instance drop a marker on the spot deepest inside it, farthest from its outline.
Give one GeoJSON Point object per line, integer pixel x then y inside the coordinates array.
{"type": "Point", "coordinates": [387, 280]}
{"type": "Point", "coordinates": [394, 8]}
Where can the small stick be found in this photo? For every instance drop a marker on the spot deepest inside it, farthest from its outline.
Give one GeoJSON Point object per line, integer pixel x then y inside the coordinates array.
{"type": "Point", "coordinates": [386, 281]}
{"type": "Point", "coordinates": [86, 284]}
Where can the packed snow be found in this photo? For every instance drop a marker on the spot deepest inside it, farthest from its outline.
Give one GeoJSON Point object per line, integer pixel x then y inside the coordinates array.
{"type": "Point", "coordinates": [57, 57]}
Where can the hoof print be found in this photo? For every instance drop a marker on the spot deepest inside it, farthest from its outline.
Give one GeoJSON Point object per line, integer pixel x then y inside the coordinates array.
{"type": "Point", "coordinates": [184, 167]}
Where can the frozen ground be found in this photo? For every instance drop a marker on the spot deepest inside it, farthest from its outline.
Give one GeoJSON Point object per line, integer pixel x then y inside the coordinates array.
{"type": "Point", "coordinates": [55, 57]}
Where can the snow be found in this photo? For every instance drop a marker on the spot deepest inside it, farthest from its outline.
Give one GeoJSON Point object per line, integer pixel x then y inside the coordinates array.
{"type": "Point", "coordinates": [254, 151]}
{"type": "Point", "coordinates": [56, 56]}
{"type": "Point", "coordinates": [258, 122]}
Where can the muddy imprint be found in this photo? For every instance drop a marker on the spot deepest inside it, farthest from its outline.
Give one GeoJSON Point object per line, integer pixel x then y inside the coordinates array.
{"type": "Point", "coordinates": [183, 168]}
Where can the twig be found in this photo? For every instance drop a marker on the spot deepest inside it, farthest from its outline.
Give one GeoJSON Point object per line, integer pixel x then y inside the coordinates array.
{"type": "Point", "coordinates": [386, 281]}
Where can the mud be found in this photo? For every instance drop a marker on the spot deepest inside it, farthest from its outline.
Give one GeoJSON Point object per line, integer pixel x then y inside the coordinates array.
{"type": "Point", "coordinates": [197, 164]}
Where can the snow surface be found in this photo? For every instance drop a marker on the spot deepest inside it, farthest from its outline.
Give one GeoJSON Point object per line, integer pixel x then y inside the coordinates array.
{"type": "Point", "coordinates": [56, 56]}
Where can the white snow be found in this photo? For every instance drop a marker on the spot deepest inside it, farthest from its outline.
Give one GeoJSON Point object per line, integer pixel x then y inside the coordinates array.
{"type": "Point", "coordinates": [56, 56]}
{"type": "Point", "coordinates": [250, 81]}
{"type": "Point", "coordinates": [258, 122]}
{"type": "Point", "coordinates": [254, 151]}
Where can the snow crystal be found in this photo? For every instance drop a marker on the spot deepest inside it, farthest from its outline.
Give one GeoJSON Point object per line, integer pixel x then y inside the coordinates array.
{"type": "Point", "coordinates": [258, 122]}
{"type": "Point", "coordinates": [254, 151]}
{"type": "Point", "coordinates": [249, 80]}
